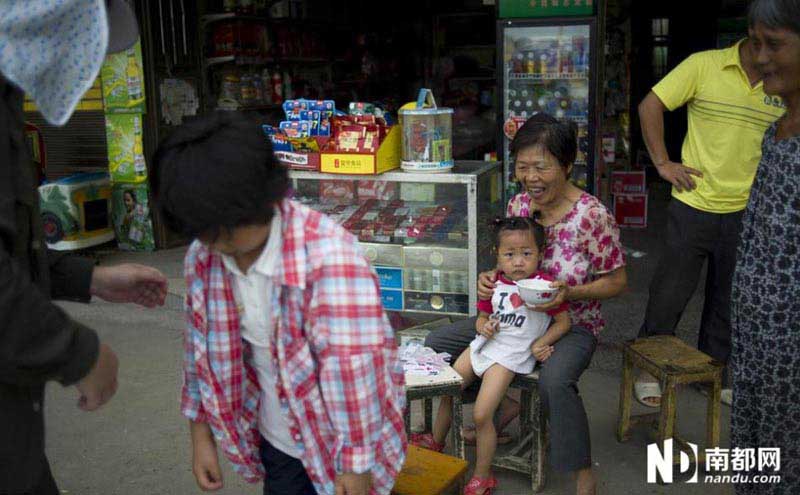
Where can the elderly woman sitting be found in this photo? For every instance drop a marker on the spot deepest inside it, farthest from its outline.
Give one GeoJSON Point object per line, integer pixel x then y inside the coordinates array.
{"type": "Point", "coordinates": [584, 255]}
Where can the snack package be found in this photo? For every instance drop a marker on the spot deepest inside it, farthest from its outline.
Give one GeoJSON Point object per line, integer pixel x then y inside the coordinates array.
{"type": "Point", "coordinates": [312, 116]}
{"type": "Point", "coordinates": [299, 129]}
{"type": "Point", "coordinates": [292, 110]}
{"type": "Point", "coordinates": [361, 108]}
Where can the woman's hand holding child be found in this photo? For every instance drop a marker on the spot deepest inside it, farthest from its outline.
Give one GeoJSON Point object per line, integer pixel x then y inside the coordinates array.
{"type": "Point", "coordinates": [541, 351]}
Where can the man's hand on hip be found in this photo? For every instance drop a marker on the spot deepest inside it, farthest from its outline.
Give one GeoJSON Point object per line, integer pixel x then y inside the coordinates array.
{"type": "Point", "coordinates": [679, 175]}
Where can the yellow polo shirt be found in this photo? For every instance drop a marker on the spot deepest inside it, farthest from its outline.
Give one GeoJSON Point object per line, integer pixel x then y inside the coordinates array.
{"type": "Point", "coordinates": [727, 121]}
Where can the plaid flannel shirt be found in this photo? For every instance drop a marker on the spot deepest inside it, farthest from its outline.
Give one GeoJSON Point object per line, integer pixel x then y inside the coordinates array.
{"type": "Point", "coordinates": [340, 380]}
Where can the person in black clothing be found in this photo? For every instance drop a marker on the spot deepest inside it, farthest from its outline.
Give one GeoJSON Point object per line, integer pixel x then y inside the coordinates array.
{"type": "Point", "coordinates": [38, 341]}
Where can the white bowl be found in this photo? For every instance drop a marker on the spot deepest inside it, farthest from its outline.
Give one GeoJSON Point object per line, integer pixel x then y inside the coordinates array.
{"type": "Point", "coordinates": [536, 291]}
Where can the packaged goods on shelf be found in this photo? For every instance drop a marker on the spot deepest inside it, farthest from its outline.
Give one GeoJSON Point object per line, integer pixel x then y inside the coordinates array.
{"type": "Point", "coordinates": [361, 145]}
{"type": "Point", "coordinates": [383, 254]}
{"type": "Point", "coordinates": [436, 302]}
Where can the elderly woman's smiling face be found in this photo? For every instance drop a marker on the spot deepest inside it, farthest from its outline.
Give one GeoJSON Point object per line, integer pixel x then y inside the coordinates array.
{"type": "Point", "coordinates": [777, 55]}
{"type": "Point", "coordinates": [540, 173]}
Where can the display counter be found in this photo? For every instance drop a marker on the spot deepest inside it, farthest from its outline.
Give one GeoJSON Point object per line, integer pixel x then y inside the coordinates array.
{"type": "Point", "coordinates": [427, 235]}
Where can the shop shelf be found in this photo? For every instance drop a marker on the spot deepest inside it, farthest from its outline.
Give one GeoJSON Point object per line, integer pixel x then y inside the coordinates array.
{"type": "Point", "coordinates": [239, 60]}
{"type": "Point", "coordinates": [211, 18]}
{"type": "Point", "coordinates": [556, 76]}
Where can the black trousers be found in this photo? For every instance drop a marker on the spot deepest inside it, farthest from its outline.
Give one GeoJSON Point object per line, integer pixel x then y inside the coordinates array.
{"type": "Point", "coordinates": [692, 238]}
{"type": "Point", "coordinates": [285, 474]}
{"type": "Point", "coordinates": [570, 445]}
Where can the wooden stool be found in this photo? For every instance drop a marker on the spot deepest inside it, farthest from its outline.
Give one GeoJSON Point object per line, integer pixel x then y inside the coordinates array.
{"type": "Point", "coordinates": [528, 456]}
{"type": "Point", "coordinates": [426, 472]}
{"type": "Point", "coordinates": [673, 363]}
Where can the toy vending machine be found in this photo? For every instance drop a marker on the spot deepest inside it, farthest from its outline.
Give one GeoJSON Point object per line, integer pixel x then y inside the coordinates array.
{"type": "Point", "coordinates": [548, 65]}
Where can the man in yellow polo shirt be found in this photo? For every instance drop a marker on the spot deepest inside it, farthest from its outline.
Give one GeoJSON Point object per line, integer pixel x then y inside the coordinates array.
{"type": "Point", "coordinates": [728, 114]}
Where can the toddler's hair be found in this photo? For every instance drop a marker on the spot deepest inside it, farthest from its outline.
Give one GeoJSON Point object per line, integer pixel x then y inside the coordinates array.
{"type": "Point", "coordinates": [509, 224]}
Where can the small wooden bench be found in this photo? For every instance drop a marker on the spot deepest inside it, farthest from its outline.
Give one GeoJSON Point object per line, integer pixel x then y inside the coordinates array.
{"type": "Point", "coordinates": [673, 363]}
{"type": "Point", "coordinates": [528, 456]}
{"type": "Point", "coordinates": [426, 472]}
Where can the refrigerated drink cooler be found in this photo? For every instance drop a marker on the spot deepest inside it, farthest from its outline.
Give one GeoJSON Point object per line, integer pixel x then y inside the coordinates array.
{"type": "Point", "coordinates": [548, 65]}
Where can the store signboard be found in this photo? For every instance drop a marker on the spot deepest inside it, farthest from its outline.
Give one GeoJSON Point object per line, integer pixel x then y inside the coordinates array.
{"type": "Point", "coordinates": [545, 8]}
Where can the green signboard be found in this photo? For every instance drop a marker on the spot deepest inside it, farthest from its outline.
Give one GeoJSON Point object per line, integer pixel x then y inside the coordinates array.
{"type": "Point", "coordinates": [545, 8]}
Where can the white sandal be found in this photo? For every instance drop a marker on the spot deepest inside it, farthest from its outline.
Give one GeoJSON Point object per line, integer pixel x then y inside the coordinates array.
{"type": "Point", "coordinates": [647, 390]}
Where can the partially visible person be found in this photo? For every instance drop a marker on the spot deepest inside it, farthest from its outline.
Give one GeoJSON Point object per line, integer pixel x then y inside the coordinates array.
{"type": "Point", "coordinates": [52, 51]}
{"type": "Point", "coordinates": [728, 113]}
{"type": "Point", "coordinates": [766, 284]}
{"type": "Point", "coordinates": [511, 339]}
{"type": "Point", "coordinates": [584, 255]}
{"type": "Point", "coordinates": [291, 366]}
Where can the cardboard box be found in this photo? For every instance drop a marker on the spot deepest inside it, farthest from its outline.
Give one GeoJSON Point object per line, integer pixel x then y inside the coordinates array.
{"type": "Point", "coordinates": [630, 210]}
{"type": "Point", "coordinates": [628, 182]}
{"type": "Point", "coordinates": [386, 158]}
{"type": "Point", "coordinates": [126, 160]}
{"type": "Point", "coordinates": [392, 300]}
{"type": "Point", "coordinates": [131, 217]}
{"type": "Point", "coordinates": [122, 78]}
{"type": "Point", "coordinates": [298, 160]}
{"type": "Point", "coordinates": [383, 254]}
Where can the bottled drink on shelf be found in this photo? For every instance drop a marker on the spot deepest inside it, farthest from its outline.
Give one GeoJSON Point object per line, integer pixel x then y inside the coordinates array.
{"type": "Point", "coordinates": [139, 167]}
{"type": "Point", "coordinates": [277, 86]}
{"type": "Point", "coordinates": [133, 77]}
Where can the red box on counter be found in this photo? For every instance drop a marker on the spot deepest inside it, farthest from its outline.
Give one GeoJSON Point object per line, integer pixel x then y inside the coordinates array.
{"type": "Point", "coordinates": [303, 160]}
{"type": "Point", "coordinates": [630, 210]}
{"type": "Point", "coordinates": [628, 182]}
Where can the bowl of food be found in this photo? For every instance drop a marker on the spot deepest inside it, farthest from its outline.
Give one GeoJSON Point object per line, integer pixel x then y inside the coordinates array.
{"type": "Point", "coordinates": [536, 291]}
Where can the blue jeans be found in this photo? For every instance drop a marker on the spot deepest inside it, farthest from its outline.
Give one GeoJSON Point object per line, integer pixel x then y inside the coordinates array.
{"type": "Point", "coordinates": [285, 474]}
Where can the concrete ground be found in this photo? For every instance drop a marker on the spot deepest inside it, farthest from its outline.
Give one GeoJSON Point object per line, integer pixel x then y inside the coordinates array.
{"type": "Point", "coordinates": [139, 444]}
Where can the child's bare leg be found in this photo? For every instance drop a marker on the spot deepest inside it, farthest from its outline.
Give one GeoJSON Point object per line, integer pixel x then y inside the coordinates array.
{"type": "Point", "coordinates": [444, 416]}
{"type": "Point", "coordinates": [495, 384]}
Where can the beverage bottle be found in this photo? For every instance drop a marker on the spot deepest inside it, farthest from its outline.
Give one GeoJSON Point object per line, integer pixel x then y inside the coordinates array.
{"type": "Point", "coordinates": [287, 86]}
{"type": "Point", "coordinates": [133, 77]}
{"type": "Point", "coordinates": [139, 166]}
{"type": "Point", "coordinates": [277, 86]}
{"type": "Point", "coordinates": [530, 63]}
{"type": "Point", "coordinates": [519, 63]}
{"type": "Point", "coordinates": [266, 83]}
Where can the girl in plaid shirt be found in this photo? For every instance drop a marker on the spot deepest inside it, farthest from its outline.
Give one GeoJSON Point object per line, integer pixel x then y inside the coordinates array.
{"type": "Point", "coordinates": [290, 364]}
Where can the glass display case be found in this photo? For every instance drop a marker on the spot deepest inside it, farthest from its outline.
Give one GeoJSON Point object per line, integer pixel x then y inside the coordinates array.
{"type": "Point", "coordinates": [427, 235]}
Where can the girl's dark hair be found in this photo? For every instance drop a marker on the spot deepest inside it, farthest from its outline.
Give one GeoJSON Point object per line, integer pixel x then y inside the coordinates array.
{"type": "Point", "coordinates": [217, 172]}
{"type": "Point", "coordinates": [510, 224]}
{"type": "Point", "coordinates": [557, 137]}
{"type": "Point", "coordinates": [775, 14]}
{"type": "Point", "coordinates": [131, 193]}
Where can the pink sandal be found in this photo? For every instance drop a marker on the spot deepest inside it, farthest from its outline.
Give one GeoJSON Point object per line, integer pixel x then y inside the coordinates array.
{"type": "Point", "coordinates": [485, 484]}
{"type": "Point", "coordinates": [426, 441]}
